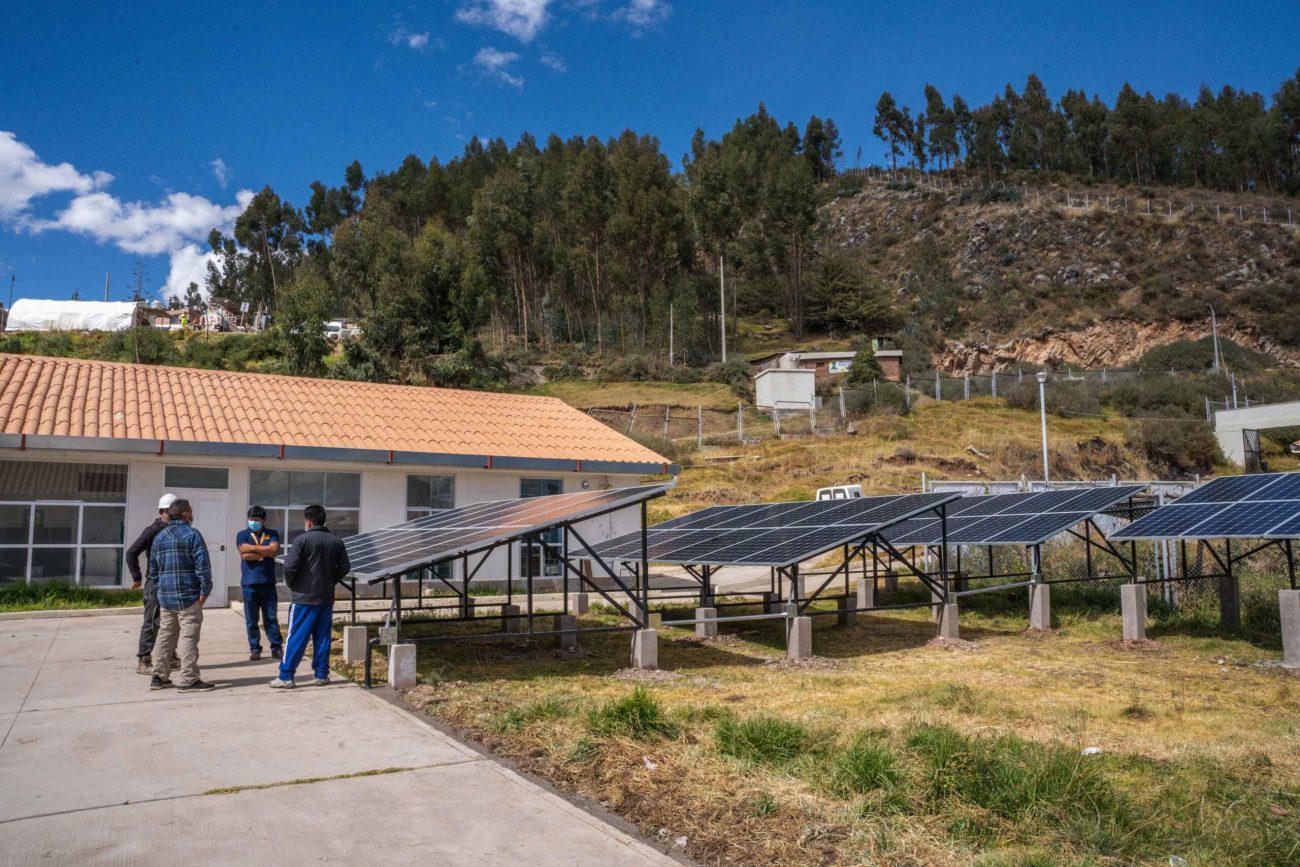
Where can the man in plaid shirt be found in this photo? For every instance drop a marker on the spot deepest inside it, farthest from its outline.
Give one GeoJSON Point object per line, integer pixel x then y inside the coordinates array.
{"type": "Point", "coordinates": [179, 562]}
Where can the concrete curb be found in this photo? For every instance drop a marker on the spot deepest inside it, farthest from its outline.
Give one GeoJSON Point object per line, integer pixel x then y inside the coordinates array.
{"type": "Point", "coordinates": [137, 610]}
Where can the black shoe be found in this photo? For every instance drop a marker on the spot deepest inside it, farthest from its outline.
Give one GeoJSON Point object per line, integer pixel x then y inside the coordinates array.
{"type": "Point", "coordinates": [196, 686]}
{"type": "Point", "coordinates": [277, 653]}
{"type": "Point", "coordinates": [254, 655]}
{"type": "Point", "coordinates": [157, 682]}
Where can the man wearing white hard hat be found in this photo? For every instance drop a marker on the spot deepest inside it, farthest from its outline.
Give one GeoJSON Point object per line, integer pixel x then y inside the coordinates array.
{"type": "Point", "coordinates": [142, 545]}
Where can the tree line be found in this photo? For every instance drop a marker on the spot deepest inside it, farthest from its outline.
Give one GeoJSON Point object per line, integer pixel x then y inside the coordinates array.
{"type": "Point", "coordinates": [1230, 140]}
{"type": "Point", "coordinates": [600, 244]}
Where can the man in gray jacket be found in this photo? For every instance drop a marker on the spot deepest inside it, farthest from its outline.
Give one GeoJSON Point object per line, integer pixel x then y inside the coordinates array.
{"type": "Point", "coordinates": [316, 562]}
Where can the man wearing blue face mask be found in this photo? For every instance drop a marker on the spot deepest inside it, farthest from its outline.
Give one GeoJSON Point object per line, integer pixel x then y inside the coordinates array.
{"type": "Point", "coordinates": [258, 546]}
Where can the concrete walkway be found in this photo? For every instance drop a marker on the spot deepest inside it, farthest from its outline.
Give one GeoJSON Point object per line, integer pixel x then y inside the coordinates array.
{"type": "Point", "coordinates": [96, 769]}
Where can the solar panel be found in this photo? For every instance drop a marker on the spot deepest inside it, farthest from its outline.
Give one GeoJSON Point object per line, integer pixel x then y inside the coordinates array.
{"type": "Point", "coordinates": [1011, 519]}
{"type": "Point", "coordinates": [446, 535]}
{"type": "Point", "coordinates": [768, 534]}
{"type": "Point", "coordinates": [1263, 506]}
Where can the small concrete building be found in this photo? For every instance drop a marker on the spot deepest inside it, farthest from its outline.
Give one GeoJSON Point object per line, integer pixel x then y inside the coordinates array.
{"type": "Point", "coordinates": [87, 448]}
{"type": "Point", "coordinates": [784, 388]}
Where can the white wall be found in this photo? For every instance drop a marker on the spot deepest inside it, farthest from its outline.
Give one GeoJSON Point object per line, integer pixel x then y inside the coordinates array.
{"type": "Point", "coordinates": [383, 493]}
{"type": "Point", "coordinates": [784, 389]}
{"type": "Point", "coordinates": [1230, 423]}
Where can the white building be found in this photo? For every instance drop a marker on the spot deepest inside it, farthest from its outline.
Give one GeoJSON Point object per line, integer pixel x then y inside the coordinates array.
{"type": "Point", "coordinates": [785, 388]}
{"type": "Point", "coordinates": [87, 447]}
{"type": "Point", "coordinates": [39, 314]}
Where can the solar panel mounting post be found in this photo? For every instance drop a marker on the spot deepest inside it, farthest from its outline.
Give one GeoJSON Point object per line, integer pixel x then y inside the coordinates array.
{"type": "Point", "coordinates": [1229, 592]}
{"type": "Point", "coordinates": [644, 577]}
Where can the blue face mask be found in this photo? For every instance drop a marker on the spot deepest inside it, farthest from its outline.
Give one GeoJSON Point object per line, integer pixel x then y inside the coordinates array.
{"type": "Point", "coordinates": [254, 525]}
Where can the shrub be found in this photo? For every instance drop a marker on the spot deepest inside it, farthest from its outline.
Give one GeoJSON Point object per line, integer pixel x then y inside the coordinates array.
{"type": "Point", "coordinates": [638, 715]}
{"type": "Point", "coordinates": [662, 445]}
{"type": "Point", "coordinates": [736, 374]}
{"type": "Point", "coordinates": [762, 739]}
{"type": "Point", "coordinates": [1177, 446]}
{"type": "Point", "coordinates": [1001, 194]}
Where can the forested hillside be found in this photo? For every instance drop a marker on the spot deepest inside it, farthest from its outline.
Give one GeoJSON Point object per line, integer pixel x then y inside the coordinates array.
{"type": "Point", "coordinates": [584, 244]}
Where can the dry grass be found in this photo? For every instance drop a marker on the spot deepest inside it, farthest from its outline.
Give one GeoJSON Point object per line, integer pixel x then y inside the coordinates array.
{"type": "Point", "coordinates": [584, 394]}
{"type": "Point", "coordinates": [1197, 740]}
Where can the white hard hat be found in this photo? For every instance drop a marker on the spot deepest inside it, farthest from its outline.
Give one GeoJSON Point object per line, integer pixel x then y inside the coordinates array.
{"type": "Point", "coordinates": [166, 500]}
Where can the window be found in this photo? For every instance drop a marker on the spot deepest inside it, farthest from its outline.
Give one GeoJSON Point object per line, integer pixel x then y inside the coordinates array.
{"type": "Point", "coordinates": [426, 495]}
{"type": "Point", "coordinates": [286, 493]}
{"type": "Point", "coordinates": [550, 566]}
{"type": "Point", "coordinates": [214, 478]}
{"type": "Point", "coordinates": [62, 522]}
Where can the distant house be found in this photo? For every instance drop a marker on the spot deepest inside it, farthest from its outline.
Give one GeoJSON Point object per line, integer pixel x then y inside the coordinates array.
{"type": "Point", "coordinates": [827, 364]}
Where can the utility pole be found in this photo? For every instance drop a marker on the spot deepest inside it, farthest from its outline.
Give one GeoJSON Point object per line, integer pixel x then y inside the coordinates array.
{"type": "Point", "coordinates": [1042, 411]}
{"type": "Point", "coordinates": [722, 304]}
{"type": "Point", "coordinates": [1214, 330]}
{"type": "Point", "coordinates": [105, 285]}
{"type": "Point", "coordinates": [670, 334]}
{"type": "Point", "coordinates": [12, 279]}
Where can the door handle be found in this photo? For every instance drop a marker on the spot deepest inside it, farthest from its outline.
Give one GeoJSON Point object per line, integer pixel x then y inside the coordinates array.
{"type": "Point", "coordinates": [223, 547]}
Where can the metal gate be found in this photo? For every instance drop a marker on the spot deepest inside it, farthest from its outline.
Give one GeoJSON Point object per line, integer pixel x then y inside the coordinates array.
{"type": "Point", "coordinates": [1254, 464]}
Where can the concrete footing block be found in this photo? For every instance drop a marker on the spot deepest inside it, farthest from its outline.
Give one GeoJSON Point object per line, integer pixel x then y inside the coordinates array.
{"type": "Point", "coordinates": [645, 649]}
{"type": "Point", "coordinates": [401, 666]}
{"type": "Point", "coordinates": [891, 582]}
{"type": "Point", "coordinates": [354, 644]}
{"type": "Point", "coordinates": [1289, 603]}
{"type": "Point", "coordinates": [799, 641]}
{"type": "Point", "coordinates": [936, 605]}
{"type": "Point", "coordinates": [581, 603]}
{"type": "Point", "coordinates": [570, 640]}
{"type": "Point", "coordinates": [845, 615]}
{"type": "Point", "coordinates": [866, 593]}
{"type": "Point", "coordinates": [1040, 606]}
{"type": "Point", "coordinates": [948, 621]}
{"type": "Point", "coordinates": [510, 619]}
{"type": "Point", "coordinates": [1133, 607]}
{"type": "Point", "coordinates": [708, 629]}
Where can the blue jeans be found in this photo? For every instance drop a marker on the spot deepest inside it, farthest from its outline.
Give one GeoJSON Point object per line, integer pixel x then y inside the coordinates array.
{"type": "Point", "coordinates": [308, 621]}
{"type": "Point", "coordinates": [259, 603]}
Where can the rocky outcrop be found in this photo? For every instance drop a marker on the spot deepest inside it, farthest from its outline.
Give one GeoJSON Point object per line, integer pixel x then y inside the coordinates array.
{"type": "Point", "coordinates": [1113, 343]}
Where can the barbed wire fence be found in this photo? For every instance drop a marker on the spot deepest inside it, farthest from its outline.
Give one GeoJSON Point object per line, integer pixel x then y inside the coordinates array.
{"type": "Point", "coordinates": [1207, 205]}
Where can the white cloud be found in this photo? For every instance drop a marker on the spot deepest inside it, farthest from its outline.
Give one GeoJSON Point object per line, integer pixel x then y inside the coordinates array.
{"type": "Point", "coordinates": [221, 172]}
{"type": "Point", "coordinates": [145, 229]}
{"type": "Point", "coordinates": [411, 39]}
{"type": "Point", "coordinates": [644, 14]}
{"type": "Point", "coordinates": [494, 63]}
{"type": "Point", "coordinates": [188, 265]}
{"type": "Point", "coordinates": [24, 177]}
{"type": "Point", "coordinates": [553, 62]}
{"type": "Point", "coordinates": [522, 19]}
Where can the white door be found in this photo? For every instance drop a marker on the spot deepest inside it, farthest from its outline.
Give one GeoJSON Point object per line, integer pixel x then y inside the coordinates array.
{"type": "Point", "coordinates": [210, 512]}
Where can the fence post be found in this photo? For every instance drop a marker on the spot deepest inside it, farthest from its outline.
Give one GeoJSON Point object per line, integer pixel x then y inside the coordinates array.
{"type": "Point", "coordinates": [776, 421]}
{"type": "Point", "coordinates": [995, 383]}
{"type": "Point", "coordinates": [1207, 410]}
{"type": "Point", "coordinates": [1241, 212]}
{"type": "Point", "coordinates": [843, 414]}
{"type": "Point", "coordinates": [740, 422]}
{"type": "Point", "coordinates": [875, 392]}
{"type": "Point", "coordinates": [699, 426]}
{"type": "Point", "coordinates": [667, 409]}
{"type": "Point", "coordinates": [1216, 210]}
{"type": "Point", "coordinates": [907, 392]}
{"type": "Point", "coordinates": [965, 387]}
{"type": "Point", "coordinates": [812, 416]}
{"type": "Point", "coordinates": [1171, 207]}
{"type": "Point", "coordinates": [1266, 216]}
{"type": "Point", "coordinates": [631, 420]}
{"type": "Point", "coordinates": [1020, 374]}
{"type": "Point", "coordinates": [938, 389]}
{"type": "Point", "coordinates": [1148, 207]}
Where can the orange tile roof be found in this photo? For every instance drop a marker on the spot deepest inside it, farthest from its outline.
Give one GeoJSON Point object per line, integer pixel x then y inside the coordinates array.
{"type": "Point", "coordinates": [80, 398]}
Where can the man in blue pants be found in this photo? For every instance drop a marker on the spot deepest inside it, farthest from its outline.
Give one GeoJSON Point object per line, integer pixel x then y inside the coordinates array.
{"type": "Point", "coordinates": [316, 562]}
{"type": "Point", "coordinates": [258, 547]}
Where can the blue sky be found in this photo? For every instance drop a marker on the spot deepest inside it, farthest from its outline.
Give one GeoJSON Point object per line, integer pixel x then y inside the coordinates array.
{"type": "Point", "coordinates": [128, 130]}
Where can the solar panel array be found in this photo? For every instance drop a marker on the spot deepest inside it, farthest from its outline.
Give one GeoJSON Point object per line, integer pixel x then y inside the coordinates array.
{"type": "Point", "coordinates": [1265, 506]}
{"type": "Point", "coordinates": [1010, 519]}
{"type": "Point", "coordinates": [449, 534]}
{"type": "Point", "coordinates": [768, 534]}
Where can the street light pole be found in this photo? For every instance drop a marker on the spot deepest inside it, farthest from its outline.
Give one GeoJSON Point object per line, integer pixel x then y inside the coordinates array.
{"type": "Point", "coordinates": [1042, 411]}
{"type": "Point", "coordinates": [1214, 330]}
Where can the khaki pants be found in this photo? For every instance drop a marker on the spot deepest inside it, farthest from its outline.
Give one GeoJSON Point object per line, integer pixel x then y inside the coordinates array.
{"type": "Point", "coordinates": [182, 626]}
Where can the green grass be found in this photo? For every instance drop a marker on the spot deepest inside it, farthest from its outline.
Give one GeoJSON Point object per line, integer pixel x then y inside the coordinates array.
{"type": "Point", "coordinates": [868, 765]}
{"type": "Point", "coordinates": [537, 711]}
{"type": "Point", "coordinates": [638, 715]}
{"type": "Point", "coordinates": [762, 739]}
{"type": "Point", "coordinates": [59, 597]}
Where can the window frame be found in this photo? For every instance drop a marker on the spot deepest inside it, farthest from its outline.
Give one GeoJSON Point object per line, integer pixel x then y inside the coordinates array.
{"type": "Point", "coordinates": [76, 546]}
